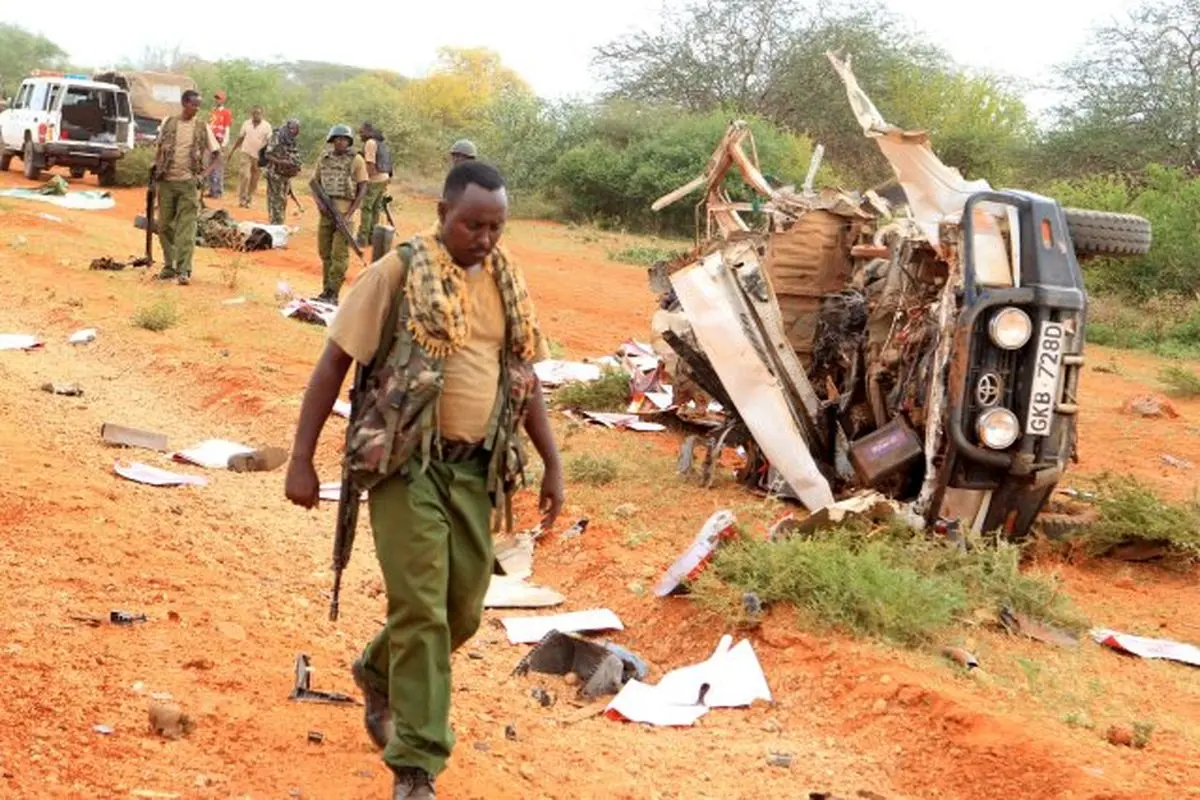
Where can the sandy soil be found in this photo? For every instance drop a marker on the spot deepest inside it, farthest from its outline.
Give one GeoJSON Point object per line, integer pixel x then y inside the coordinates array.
{"type": "Point", "coordinates": [234, 580]}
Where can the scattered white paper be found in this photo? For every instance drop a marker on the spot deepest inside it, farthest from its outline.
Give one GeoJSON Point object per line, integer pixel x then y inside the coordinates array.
{"type": "Point", "coordinates": [83, 337]}
{"type": "Point", "coordinates": [732, 675]}
{"type": "Point", "coordinates": [639, 702]}
{"type": "Point", "coordinates": [341, 408]}
{"type": "Point", "coordinates": [663, 400]}
{"type": "Point", "coordinates": [211, 453]}
{"type": "Point", "coordinates": [528, 630]}
{"type": "Point", "coordinates": [18, 341]}
{"type": "Point", "coordinates": [556, 373]}
{"type": "Point", "coordinates": [696, 556]}
{"type": "Point", "coordinates": [153, 476]}
{"type": "Point", "coordinates": [629, 421]}
{"type": "Point", "coordinates": [1147, 647]}
{"type": "Point", "coordinates": [507, 591]}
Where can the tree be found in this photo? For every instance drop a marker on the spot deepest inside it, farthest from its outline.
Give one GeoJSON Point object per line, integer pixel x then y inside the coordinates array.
{"type": "Point", "coordinates": [21, 52]}
{"type": "Point", "coordinates": [1135, 94]}
{"type": "Point", "coordinates": [457, 93]}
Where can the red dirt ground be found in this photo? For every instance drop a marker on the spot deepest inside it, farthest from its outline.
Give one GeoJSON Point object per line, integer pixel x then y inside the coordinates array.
{"type": "Point", "coordinates": [235, 580]}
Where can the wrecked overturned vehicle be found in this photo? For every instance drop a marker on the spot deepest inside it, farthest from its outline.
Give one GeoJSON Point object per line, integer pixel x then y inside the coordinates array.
{"type": "Point", "coordinates": [930, 349]}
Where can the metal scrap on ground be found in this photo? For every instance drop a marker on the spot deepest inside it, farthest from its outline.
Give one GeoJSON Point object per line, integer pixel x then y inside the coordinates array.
{"type": "Point", "coordinates": [720, 526]}
{"type": "Point", "coordinates": [528, 630]}
{"type": "Point", "coordinates": [1147, 647]}
{"type": "Point", "coordinates": [602, 668]}
{"type": "Point", "coordinates": [122, 436]}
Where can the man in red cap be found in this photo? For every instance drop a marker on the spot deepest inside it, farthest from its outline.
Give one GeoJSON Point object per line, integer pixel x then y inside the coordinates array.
{"type": "Point", "coordinates": [220, 119]}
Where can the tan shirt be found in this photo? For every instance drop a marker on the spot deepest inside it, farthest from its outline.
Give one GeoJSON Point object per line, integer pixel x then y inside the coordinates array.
{"type": "Point", "coordinates": [180, 168]}
{"type": "Point", "coordinates": [472, 375]}
{"type": "Point", "coordinates": [255, 138]}
{"type": "Point", "coordinates": [370, 153]}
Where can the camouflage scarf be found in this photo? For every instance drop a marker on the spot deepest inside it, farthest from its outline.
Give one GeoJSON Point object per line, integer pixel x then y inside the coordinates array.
{"type": "Point", "coordinates": [439, 304]}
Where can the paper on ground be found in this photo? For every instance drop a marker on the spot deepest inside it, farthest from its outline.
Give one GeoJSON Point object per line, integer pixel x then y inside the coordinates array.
{"type": "Point", "coordinates": [153, 476]}
{"type": "Point", "coordinates": [631, 421]}
{"type": "Point", "coordinates": [18, 341]}
{"type": "Point", "coordinates": [556, 373]}
{"type": "Point", "coordinates": [527, 630]}
{"type": "Point", "coordinates": [639, 702]}
{"type": "Point", "coordinates": [82, 337]}
{"type": "Point", "coordinates": [505, 591]}
{"type": "Point", "coordinates": [83, 201]}
{"type": "Point", "coordinates": [341, 408]}
{"type": "Point", "coordinates": [1147, 647]}
{"type": "Point", "coordinates": [212, 453]}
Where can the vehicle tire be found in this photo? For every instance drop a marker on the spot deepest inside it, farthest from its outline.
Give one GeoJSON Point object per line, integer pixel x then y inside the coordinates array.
{"type": "Point", "coordinates": [1104, 233]}
{"type": "Point", "coordinates": [106, 176]}
{"type": "Point", "coordinates": [29, 162]}
{"type": "Point", "coordinates": [5, 160]}
{"type": "Point", "coordinates": [78, 172]}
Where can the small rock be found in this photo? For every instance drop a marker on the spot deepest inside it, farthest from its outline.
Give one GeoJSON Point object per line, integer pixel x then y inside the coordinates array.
{"type": "Point", "coordinates": [203, 780]}
{"type": "Point", "coordinates": [783, 760]}
{"type": "Point", "coordinates": [364, 773]}
{"type": "Point", "coordinates": [103, 730]}
{"type": "Point", "coordinates": [138, 687]}
{"type": "Point", "coordinates": [527, 771]}
{"type": "Point", "coordinates": [510, 732]}
{"type": "Point", "coordinates": [475, 655]}
{"type": "Point", "coordinates": [316, 737]}
{"type": "Point", "coordinates": [199, 663]}
{"type": "Point", "coordinates": [751, 604]}
{"type": "Point", "coordinates": [571, 679]}
{"type": "Point", "coordinates": [1151, 407]}
{"type": "Point", "coordinates": [880, 706]}
{"type": "Point", "coordinates": [885, 680]}
{"type": "Point", "coordinates": [483, 747]}
{"type": "Point", "coordinates": [626, 510]}
{"type": "Point", "coordinates": [544, 698]}
{"type": "Point", "coordinates": [1120, 735]}
{"type": "Point", "coordinates": [168, 720]}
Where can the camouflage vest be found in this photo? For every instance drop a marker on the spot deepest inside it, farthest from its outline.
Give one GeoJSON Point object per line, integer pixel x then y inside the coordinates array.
{"type": "Point", "coordinates": [336, 174]}
{"type": "Point", "coordinates": [395, 415]}
{"type": "Point", "coordinates": [199, 144]}
{"type": "Point", "coordinates": [286, 149]}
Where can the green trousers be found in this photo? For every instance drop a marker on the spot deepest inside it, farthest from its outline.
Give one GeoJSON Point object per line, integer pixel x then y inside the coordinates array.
{"type": "Point", "coordinates": [277, 197]}
{"type": "Point", "coordinates": [335, 255]}
{"type": "Point", "coordinates": [178, 206]}
{"type": "Point", "coordinates": [435, 550]}
{"type": "Point", "coordinates": [372, 207]}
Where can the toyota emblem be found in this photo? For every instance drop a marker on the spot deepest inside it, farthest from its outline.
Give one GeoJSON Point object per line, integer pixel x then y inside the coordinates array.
{"type": "Point", "coordinates": [987, 391]}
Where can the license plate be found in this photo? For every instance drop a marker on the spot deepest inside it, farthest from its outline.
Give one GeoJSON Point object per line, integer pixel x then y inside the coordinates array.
{"type": "Point", "coordinates": [1047, 370]}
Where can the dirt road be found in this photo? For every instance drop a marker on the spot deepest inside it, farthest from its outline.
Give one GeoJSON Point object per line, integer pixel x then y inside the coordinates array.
{"type": "Point", "coordinates": [234, 580]}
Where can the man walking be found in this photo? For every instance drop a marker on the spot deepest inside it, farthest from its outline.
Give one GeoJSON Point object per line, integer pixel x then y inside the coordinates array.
{"type": "Point", "coordinates": [283, 164]}
{"type": "Point", "coordinates": [342, 174]}
{"type": "Point", "coordinates": [462, 150]}
{"type": "Point", "coordinates": [378, 156]}
{"type": "Point", "coordinates": [447, 310]}
{"type": "Point", "coordinates": [255, 134]}
{"type": "Point", "coordinates": [184, 144]}
{"type": "Point", "coordinates": [220, 119]}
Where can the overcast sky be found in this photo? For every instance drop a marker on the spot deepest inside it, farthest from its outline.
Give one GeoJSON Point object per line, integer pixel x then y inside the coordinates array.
{"type": "Point", "coordinates": [548, 41]}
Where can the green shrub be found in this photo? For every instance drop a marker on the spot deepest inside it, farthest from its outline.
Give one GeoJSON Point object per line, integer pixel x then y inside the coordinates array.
{"type": "Point", "coordinates": [133, 169]}
{"type": "Point", "coordinates": [158, 316]}
{"type": "Point", "coordinates": [610, 393]}
{"type": "Point", "coordinates": [1130, 511]}
{"type": "Point", "coordinates": [643, 255]}
{"type": "Point", "coordinates": [1182, 382]}
{"type": "Point", "coordinates": [593, 470]}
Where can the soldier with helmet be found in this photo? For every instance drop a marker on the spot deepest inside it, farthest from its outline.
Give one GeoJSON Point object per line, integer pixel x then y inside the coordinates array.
{"type": "Point", "coordinates": [462, 150]}
{"type": "Point", "coordinates": [283, 164]}
{"type": "Point", "coordinates": [342, 174]}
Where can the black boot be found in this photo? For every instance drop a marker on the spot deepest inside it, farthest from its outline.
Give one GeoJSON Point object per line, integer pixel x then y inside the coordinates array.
{"type": "Point", "coordinates": [376, 714]}
{"type": "Point", "coordinates": [413, 783]}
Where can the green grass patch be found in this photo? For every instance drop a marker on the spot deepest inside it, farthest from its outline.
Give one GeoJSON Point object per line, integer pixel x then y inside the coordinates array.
{"type": "Point", "coordinates": [158, 316]}
{"type": "Point", "coordinates": [892, 584]}
{"type": "Point", "coordinates": [1168, 326]}
{"type": "Point", "coordinates": [1130, 511]}
{"type": "Point", "coordinates": [1181, 382]}
{"type": "Point", "coordinates": [133, 169]}
{"type": "Point", "coordinates": [592, 470]}
{"type": "Point", "coordinates": [644, 255]}
{"type": "Point", "coordinates": [610, 393]}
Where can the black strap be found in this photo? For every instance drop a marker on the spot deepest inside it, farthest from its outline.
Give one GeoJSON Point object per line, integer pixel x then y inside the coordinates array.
{"type": "Point", "coordinates": [393, 317]}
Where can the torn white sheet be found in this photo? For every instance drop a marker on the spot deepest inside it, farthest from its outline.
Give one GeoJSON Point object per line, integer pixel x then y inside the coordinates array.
{"type": "Point", "coordinates": [83, 201]}
{"type": "Point", "coordinates": [711, 301]}
{"type": "Point", "coordinates": [639, 702]}
{"type": "Point", "coordinates": [211, 453]}
{"type": "Point", "coordinates": [18, 341]}
{"type": "Point", "coordinates": [662, 400]}
{"type": "Point", "coordinates": [341, 408]}
{"type": "Point", "coordinates": [279, 233]}
{"type": "Point", "coordinates": [505, 591]}
{"type": "Point", "coordinates": [313, 311]}
{"type": "Point", "coordinates": [628, 421]}
{"type": "Point", "coordinates": [556, 373]}
{"type": "Point", "coordinates": [1147, 647]}
{"type": "Point", "coordinates": [234, 301]}
{"type": "Point", "coordinates": [732, 675]}
{"type": "Point", "coordinates": [721, 525]}
{"type": "Point", "coordinates": [527, 630]}
{"type": "Point", "coordinates": [153, 476]}
{"type": "Point", "coordinates": [83, 337]}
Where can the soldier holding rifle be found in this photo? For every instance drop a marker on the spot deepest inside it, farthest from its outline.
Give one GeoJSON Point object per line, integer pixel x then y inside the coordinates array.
{"type": "Point", "coordinates": [338, 187]}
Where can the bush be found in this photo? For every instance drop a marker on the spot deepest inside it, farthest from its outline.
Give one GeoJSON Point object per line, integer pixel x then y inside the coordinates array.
{"type": "Point", "coordinates": [134, 168]}
{"type": "Point", "coordinates": [610, 393]}
{"type": "Point", "coordinates": [643, 255]}
{"type": "Point", "coordinates": [593, 470]}
{"type": "Point", "coordinates": [1130, 511]}
{"type": "Point", "coordinates": [1182, 382]}
{"type": "Point", "coordinates": [157, 317]}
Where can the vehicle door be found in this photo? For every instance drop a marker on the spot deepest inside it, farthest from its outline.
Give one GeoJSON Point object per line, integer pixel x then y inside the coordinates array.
{"type": "Point", "coordinates": [35, 106]}
{"type": "Point", "coordinates": [53, 108]}
{"type": "Point", "coordinates": [123, 117]}
{"type": "Point", "coordinates": [13, 131]}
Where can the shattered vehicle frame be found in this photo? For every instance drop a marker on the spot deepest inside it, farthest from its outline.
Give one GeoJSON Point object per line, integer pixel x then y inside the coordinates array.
{"type": "Point", "coordinates": [929, 349]}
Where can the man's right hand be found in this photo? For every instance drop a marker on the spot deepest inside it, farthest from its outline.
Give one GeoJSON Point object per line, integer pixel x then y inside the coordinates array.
{"type": "Point", "coordinates": [302, 486]}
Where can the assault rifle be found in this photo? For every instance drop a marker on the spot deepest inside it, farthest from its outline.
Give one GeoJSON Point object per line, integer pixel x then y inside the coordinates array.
{"type": "Point", "coordinates": [150, 198]}
{"type": "Point", "coordinates": [328, 209]}
{"type": "Point", "coordinates": [292, 194]}
{"type": "Point", "coordinates": [348, 501]}
{"type": "Point", "coordinates": [387, 210]}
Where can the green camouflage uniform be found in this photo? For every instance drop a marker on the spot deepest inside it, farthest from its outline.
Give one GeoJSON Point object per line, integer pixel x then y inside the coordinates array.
{"type": "Point", "coordinates": [336, 176]}
{"type": "Point", "coordinates": [282, 145]}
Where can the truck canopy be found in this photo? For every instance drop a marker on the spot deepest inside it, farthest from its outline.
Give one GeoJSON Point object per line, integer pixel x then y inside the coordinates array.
{"type": "Point", "coordinates": [154, 95]}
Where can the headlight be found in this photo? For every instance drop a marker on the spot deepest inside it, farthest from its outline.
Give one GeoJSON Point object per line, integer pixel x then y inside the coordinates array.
{"type": "Point", "coordinates": [1010, 328]}
{"type": "Point", "coordinates": [998, 428]}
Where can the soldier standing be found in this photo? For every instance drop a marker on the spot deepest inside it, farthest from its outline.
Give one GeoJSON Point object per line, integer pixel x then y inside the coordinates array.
{"type": "Point", "coordinates": [462, 150]}
{"type": "Point", "coordinates": [185, 143]}
{"type": "Point", "coordinates": [342, 173]}
{"type": "Point", "coordinates": [283, 164]}
{"type": "Point", "coordinates": [466, 327]}
{"type": "Point", "coordinates": [378, 156]}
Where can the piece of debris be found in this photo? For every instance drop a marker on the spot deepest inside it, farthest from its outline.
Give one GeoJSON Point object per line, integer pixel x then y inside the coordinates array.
{"type": "Point", "coordinates": [601, 669]}
{"type": "Point", "coordinates": [1147, 647]}
{"type": "Point", "coordinates": [49, 217]}
{"type": "Point", "coordinates": [212, 453]}
{"type": "Point", "coordinates": [315, 737]}
{"type": "Point", "coordinates": [264, 459]}
{"type": "Point", "coordinates": [639, 702]}
{"type": "Point", "coordinates": [153, 476]}
{"type": "Point", "coordinates": [108, 263]}
{"type": "Point", "coordinates": [1120, 735]}
{"type": "Point", "coordinates": [103, 730]}
{"type": "Point", "coordinates": [510, 732]}
{"type": "Point", "coordinates": [783, 760]}
{"type": "Point", "coordinates": [19, 341]}
{"type": "Point", "coordinates": [1178, 463]}
{"type": "Point", "coordinates": [482, 747]}
{"type": "Point", "coordinates": [234, 301]}
{"type": "Point", "coordinates": [82, 336]}
{"type": "Point", "coordinates": [341, 408]}
{"type": "Point", "coordinates": [527, 630]}
{"type": "Point", "coordinates": [544, 698]}
{"type": "Point", "coordinates": [301, 691]}
{"type": "Point", "coordinates": [168, 720]}
{"type": "Point", "coordinates": [575, 530]}
{"type": "Point", "coordinates": [514, 557]}
{"type": "Point", "coordinates": [333, 492]}
{"type": "Point", "coordinates": [1150, 406]}
{"type": "Point", "coordinates": [553, 373]}
{"type": "Point", "coordinates": [132, 437]}
{"type": "Point", "coordinates": [117, 617]}
{"type": "Point", "coordinates": [869, 506]}
{"type": "Point", "coordinates": [200, 663]}
{"type": "Point", "coordinates": [510, 592]}
{"type": "Point", "coordinates": [154, 794]}
{"type": "Point", "coordinates": [64, 389]}
{"type": "Point", "coordinates": [963, 658]}
{"type": "Point", "coordinates": [91, 622]}
{"type": "Point", "coordinates": [630, 422]}
{"type": "Point", "coordinates": [751, 604]}
{"type": "Point", "coordinates": [1140, 551]}
{"type": "Point", "coordinates": [721, 526]}
{"type": "Point", "coordinates": [1020, 624]}
{"type": "Point", "coordinates": [314, 312]}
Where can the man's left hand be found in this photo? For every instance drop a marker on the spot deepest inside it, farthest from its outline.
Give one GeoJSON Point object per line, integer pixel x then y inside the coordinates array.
{"type": "Point", "coordinates": [553, 494]}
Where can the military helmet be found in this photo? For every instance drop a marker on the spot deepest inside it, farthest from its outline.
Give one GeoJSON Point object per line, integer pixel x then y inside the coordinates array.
{"type": "Point", "coordinates": [340, 130]}
{"type": "Point", "coordinates": [464, 147]}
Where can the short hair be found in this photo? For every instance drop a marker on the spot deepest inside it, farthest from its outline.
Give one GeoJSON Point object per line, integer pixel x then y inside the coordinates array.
{"type": "Point", "coordinates": [480, 173]}
{"type": "Point", "coordinates": [256, 108]}
{"type": "Point", "coordinates": [189, 95]}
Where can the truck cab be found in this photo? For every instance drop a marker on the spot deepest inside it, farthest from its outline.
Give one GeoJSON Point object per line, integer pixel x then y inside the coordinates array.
{"type": "Point", "coordinates": [57, 119]}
